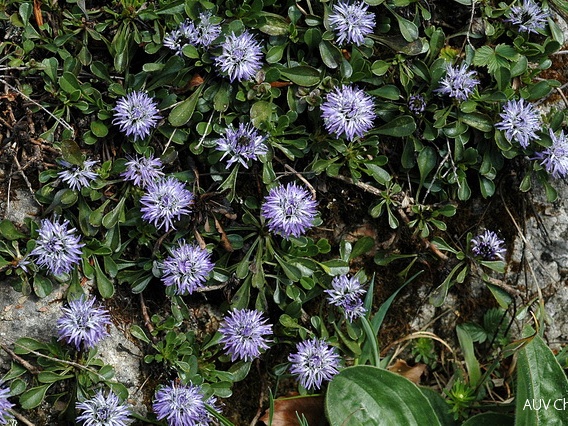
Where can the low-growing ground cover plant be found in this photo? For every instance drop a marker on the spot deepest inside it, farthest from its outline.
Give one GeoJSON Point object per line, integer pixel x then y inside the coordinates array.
{"type": "Point", "coordinates": [225, 153]}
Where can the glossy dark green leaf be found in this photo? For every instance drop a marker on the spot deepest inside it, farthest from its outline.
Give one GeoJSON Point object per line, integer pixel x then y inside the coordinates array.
{"type": "Point", "coordinates": [330, 54]}
{"type": "Point", "coordinates": [105, 285]}
{"type": "Point", "coordinates": [183, 111]}
{"type": "Point", "coordinates": [401, 126]}
{"type": "Point", "coordinates": [540, 379]}
{"type": "Point", "coordinates": [376, 397]}
{"type": "Point", "coordinates": [302, 75]}
{"type": "Point", "coordinates": [33, 397]}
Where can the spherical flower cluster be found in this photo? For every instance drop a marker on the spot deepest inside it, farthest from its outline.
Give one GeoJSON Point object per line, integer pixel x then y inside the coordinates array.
{"type": "Point", "coordinates": [5, 406]}
{"type": "Point", "coordinates": [242, 145]}
{"type": "Point", "coordinates": [520, 121]}
{"type": "Point", "coordinates": [77, 177]}
{"type": "Point", "coordinates": [348, 111]}
{"type": "Point", "coordinates": [83, 323]}
{"type": "Point", "coordinates": [458, 82]}
{"type": "Point", "coordinates": [203, 34]}
{"type": "Point", "coordinates": [314, 362]}
{"type": "Point", "coordinates": [244, 332]}
{"type": "Point", "coordinates": [241, 57]}
{"type": "Point", "coordinates": [102, 410]}
{"type": "Point", "coordinates": [528, 16]}
{"type": "Point", "coordinates": [165, 200]}
{"type": "Point", "coordinates": [289, 209]}
{"type": "Point", "coordinates": [57, 248]}
{"type": "Point", "coordinates": [488, 246]}
{"type": "Point", "coordinates": [416, 104]}
{"type": "Point", "coordinates": [136, 114]}
{"type": "Point", "coordinates": [346, 293]}
{"type": "Point", "coordinates": [351, 22]}
{"type": "Point", "coordinates": [143, 170]}
{"type": "Point", "coordinates": [181, 405]}
{"type": "Point", "coordinates": [187, 269]}
{"type": "Point", "coordinates": [554, 159]}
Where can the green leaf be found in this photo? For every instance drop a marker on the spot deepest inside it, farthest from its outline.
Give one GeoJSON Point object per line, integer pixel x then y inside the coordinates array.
{"type": "Point", "coordinates": [260, 112]}
{"type": "Point", "coordinates": [9, 231]}
{"type": "Point", "coordinates": [273, 24]}
{"type": "Point", "coordinates": [183, 111]}
{"type": "Point", "coordinates": [330, 54]}
{"type": "Point", "coordinates": [99, 129]}
{"type": "Point", "coordinates": [105, 286]}
{"type": "Point", "coordinates": [540, 378]}
{"type": "Point", "coordinates": [137, 332]}
{"type": "Point", "coordinates": [370, 396]}
{"type": "Point", "coordinates": [427, 160]}
{"type": "Point", "coordinates": [33, 397]}
{"type": "Point", "coordinates": [71, 152]}
{"type": "Point", "coordinates": [362, 246]}
{"type": "Point", "coordinates": [387, 91]}
{"type": "Point", "coordinates": [302, 75]}
{"type": "Point", "coordinates": [52, 377]}
{"type": "Point", "coordinates": [478, 121]}
{"type": "Point", "coordinates": [69, 83]}
{"type": "Point", "coordinates": [501, 296]}
{"type": "Point", "coordinates": [471, 363]}
{"type": "Point", "coordinates": [42, 286]}
{"type": "Point", "coordinates": [485, 419]}
{"type": "Point", "coordinates": [401, 126]}
{"type": "Point", "coordinates": [408, 29]}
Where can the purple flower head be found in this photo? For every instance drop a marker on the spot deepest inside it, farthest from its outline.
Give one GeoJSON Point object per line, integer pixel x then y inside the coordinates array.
{"type": "Point", "coordinates": [488, 246]}
{"type": "Point", "coordinates": [520, 121]}
{"type": "Point", "coordinates": [416, 104]}
{"type": "Point", "coordinates": [77, 177]}
{"type": "Point", "coordinates": [458, 83]}
{"type": "Point", "coordinates": [314, 363]}
{"type": "Point", "coordinates": [351, 22]}
{"type": "Point", "coordinates": [289, 209]}
{"type": "Point", "coordinates": [208, 29]}
{"type": "Point", "coordinates": [58, 248]}
{"type": "Point", "coordinates": [241, 57]}
{"type": "Point", "coordinates": [554, 159]}
{"type": "Point", "coordinates": [5, 406]}
{"type": "Point", "coordinates": [181, 405]}
{"type": "Point", "coordinates": [346, 294]}
{"type": "Point", "coordinates": [242, 145]}
{"type": "Point", "coordinates": [143, 170]}
{"type": "Point", "coordinates": [243, 334]}
{"type": "Point", "coordinates": [165, 200]}
{"type": "Point", "coordinates": [349, 111]}
{"type": "Point", "coordinates": [187, 268]}
{"type": "Point", "coordinates": [83, 323]}
{"type": "Point", "coordinates": [174, 41]}
{"type": "Point", "coordinates": [529, 16]}
{"type": "Point", "coordinates": [103, 410]}
{"type": "Point", "coordinates": [136, 114]}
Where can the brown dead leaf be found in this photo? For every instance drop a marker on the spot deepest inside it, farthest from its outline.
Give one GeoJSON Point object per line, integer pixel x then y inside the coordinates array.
{"type": "Point", "coordinates": [411, 373]}
{"type": "Point", "coordinates": [195, 81]}
{"type": "Point", "coordinates": [37, 13]}
{"type": "Point", "coordinates": [285, 410]}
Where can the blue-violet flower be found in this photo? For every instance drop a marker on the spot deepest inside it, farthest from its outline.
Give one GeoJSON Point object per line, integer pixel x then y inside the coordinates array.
{"type": "Point", "coordinates": [83, 323]}
{"type": "Point", "coordinates": [143, 170]}
{"type": "Point", "coordinates": [241, 57]}
{"type": "Point", "coordinates": [180, 405]}
{"type": "Point", "coordinates": [346, 294]}
{"type": "Point", "coordinates": [165, 200]}
{"type": "Point", "coordinates": [416, 104]}
{"type": "Point", "coordinates": [174, 41]}
{"type": "Point", "coordinates": [520, 121]}
{"type": "Point", "coordinates": [289, 209]}
{"type": "Point", "coordinates": [102, 410]}
{"type": "Point", "coordinates": [351, 22]}
{"type": "Point", "coordinates": [314, 362]}
{"type": "Point", "coordinates": [244, 332]}
{"type": "Point", "coordinates": [529, 16]}
{"type": "Point", "coordinates": [488, 246]}
{"type": "Point", "coordinates": [242, 145]}
{"type": "Point", "coordinates": [77, 177]}
{"type": "Point", "coordinates": [5, 406]}
{"type": "Point", "coordinates": [554, 159]}
{"type": "Point", "coordinates": [187, 269]}
{"type": "Point", "coordinates": [58, 247]}
{"type": "Point", "coordinates": [458, 82]}
{"type": "Point", "coordinates": [349, 111]}
{"type": "Point", "coordinates": [136, 114]}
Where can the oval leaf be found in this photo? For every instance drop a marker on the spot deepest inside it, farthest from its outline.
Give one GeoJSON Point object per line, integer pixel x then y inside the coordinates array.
{"type": "Point", "coordinates": [376, 397]}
